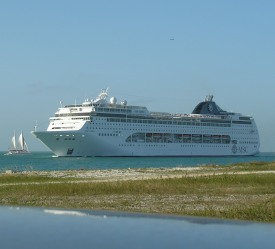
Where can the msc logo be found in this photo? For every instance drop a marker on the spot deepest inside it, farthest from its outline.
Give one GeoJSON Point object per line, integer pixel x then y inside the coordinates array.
{"type": "Point", "coordinates": [234, 149]}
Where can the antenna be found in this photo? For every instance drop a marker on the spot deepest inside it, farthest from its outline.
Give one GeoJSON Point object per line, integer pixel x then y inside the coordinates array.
{"type": "Point", "coordinates": [35, 127]}
{"type": "Point", "coordinates": [208, 98]}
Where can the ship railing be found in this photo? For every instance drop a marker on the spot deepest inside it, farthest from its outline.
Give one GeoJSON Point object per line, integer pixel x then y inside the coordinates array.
{"type": "Point", "coordinates": [161, 114]}
{"type": "Point", "coordinates": [181, 116]}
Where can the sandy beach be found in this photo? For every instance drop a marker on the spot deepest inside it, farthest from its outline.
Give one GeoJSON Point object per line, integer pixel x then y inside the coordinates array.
{"type": "Point", "coordinates": [136, 174]}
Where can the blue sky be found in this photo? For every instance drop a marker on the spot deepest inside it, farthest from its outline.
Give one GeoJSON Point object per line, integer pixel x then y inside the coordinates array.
{"type": "Point", "coordinates": [70, 50]}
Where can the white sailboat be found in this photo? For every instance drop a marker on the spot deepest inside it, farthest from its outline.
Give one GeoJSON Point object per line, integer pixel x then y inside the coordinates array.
{"type": "Point", "coordinates": [19, 147]}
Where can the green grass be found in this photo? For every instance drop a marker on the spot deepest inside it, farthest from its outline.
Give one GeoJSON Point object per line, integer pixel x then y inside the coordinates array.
{"type": "Point", "coordinates": [15, 178]}
{"type": "Point", "coordinates": [254, 165]}
{"type": "Point", "coordinates": [231, 196]}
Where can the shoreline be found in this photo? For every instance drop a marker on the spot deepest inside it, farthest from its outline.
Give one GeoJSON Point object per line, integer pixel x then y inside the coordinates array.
{"type": "Point", "coordinates": [134, 174]}
{"type": "Point", "coordinates": [241, 192]}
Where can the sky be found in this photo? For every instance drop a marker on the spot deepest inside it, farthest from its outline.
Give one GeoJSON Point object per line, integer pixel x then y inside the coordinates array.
{"type": "Point", "coordinates": [163, 54]}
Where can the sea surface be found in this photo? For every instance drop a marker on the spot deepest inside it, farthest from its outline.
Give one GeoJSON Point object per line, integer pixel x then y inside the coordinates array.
{"type": "Point", "coordinates": [40, 161]}
{"type": "Point", "coordinates": [32, 228]}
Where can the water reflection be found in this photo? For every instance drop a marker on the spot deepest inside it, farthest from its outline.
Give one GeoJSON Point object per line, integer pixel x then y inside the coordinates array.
{"type": "Point", "coordinates": [54, 228]}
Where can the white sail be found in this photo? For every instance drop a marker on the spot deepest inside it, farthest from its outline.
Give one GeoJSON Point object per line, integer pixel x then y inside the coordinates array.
{"type": "Point", "coordinates": [21, 142]}
{"type": "Point", "coordinates": [20, 148]}
{"type": "Point", "coordinates": [25, 146]}
{"type": "Point", "coordinates": [13, 142]}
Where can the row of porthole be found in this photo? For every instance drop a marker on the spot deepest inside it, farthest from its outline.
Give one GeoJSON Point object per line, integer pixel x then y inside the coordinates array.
{"type": "Point", "coordinates": [165, 122]}
{"type": "Point", "coordinates": [160, 145]}
{"type": "Point", "coordinates": [155, 126]}
{"type": "Point", "coordinates": [152, 131]}
{"type": "Point", "coordinates": [66, 138]}
{"type": "Point", "coordinates": [108, 134]}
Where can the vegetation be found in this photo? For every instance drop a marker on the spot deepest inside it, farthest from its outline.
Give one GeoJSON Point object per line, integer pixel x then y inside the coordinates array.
{"type": "Point", "coordinates": [232, 195]}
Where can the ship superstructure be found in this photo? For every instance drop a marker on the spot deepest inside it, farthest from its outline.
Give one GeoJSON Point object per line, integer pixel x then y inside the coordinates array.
{"type": "Point", "coordinates": [107, 128]}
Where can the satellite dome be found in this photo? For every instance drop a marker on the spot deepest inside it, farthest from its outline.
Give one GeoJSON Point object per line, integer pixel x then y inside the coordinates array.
{"type": "Point", "coordinates": [113, 100]}
{"type": "Point", "coordinates": [124, 102]}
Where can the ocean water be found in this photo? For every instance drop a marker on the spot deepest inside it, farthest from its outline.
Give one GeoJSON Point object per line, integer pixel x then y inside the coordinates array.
{"type": "Point", "coordinates": [47, 161]}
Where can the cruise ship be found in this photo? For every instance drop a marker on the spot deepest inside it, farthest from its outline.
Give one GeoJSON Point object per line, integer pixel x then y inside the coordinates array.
{"type": "Point", "coordinates": [105, 128]}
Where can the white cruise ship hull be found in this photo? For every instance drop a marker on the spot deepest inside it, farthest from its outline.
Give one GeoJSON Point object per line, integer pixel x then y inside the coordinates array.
{"type": "Point", "coordinates": [91, 145]}
{"type": "Point", "coordinates": [99, 128]}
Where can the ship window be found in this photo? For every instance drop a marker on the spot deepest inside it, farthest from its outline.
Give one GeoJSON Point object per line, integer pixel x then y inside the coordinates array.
{"type": "Point", "coordinates": [178, 138]}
